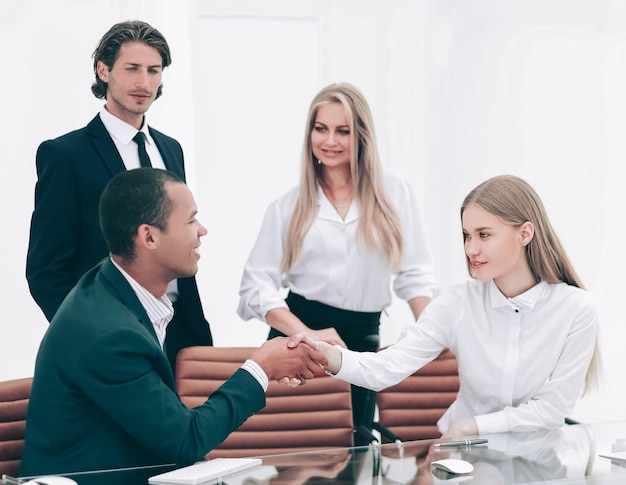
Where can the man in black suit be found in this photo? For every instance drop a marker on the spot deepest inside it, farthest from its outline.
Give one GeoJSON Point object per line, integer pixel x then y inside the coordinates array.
{"type": "Point", "coordinates": [72, 171]}
{"type": "Point", "coordinates": [103, 393]}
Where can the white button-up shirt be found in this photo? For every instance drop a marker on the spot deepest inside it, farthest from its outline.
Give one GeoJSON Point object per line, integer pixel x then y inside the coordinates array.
{"type": "Point", "coordinates": [522, 361]}
{"type": "Point", "coordinates": [336, 267]}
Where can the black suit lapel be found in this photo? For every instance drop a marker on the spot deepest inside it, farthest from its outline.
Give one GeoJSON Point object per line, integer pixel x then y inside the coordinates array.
{"type": "Point", "coordinates": [173, 160]}
{"type": "Point", "coordinates": [104, 146]}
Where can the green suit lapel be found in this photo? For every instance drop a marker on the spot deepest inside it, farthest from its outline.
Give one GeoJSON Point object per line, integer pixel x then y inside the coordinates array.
{"type": "Point", "coordinates": [126, 294]}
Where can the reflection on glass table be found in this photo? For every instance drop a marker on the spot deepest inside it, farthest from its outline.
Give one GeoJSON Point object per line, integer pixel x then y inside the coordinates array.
{"type": "Point", "coordinates": [569, 455]}
{"type": "Point", "coordinates": [565, 455]}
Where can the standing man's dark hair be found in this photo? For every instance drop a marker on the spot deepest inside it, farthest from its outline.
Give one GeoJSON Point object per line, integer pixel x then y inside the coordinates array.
{"type": "Point", "coordinates": [139, 197]}
{"type": "Point", "coordinates": [109, 48]}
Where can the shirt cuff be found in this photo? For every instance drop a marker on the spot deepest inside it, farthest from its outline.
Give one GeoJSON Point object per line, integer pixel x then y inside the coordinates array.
{"type": "Point", "coordinates": [257, 372]}
{"type": "Point", "coordinates": [492, 423]}
{"type": "Point", "coordinates": [339, 347]}
{"type": "Point", "coordinates": [349, 364]}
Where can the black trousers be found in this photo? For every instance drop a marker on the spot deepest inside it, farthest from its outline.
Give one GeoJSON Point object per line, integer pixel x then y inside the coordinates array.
{"type": "Point", "coordinates": [360, 332]}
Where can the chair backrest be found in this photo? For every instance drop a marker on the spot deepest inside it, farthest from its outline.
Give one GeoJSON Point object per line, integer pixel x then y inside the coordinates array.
{"type": "Point", "coordinates": [411, 409]}
{"type": "Point", "coordinates": [317, 415]}
{"type": "Point", "coordinates": [14, 395]}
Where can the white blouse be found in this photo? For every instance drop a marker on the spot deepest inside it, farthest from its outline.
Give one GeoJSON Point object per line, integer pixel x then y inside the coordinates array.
{"type": "Point", "coordinates": [522, 361]}
{"type": "Point", "coordinates": [335, 268]}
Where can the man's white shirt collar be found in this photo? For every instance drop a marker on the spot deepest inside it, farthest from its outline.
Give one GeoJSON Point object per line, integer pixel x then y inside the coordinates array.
{"type": "Point", "coordinates": [160, 311]}
{"type": "Point", "coordinates": [121, 130]}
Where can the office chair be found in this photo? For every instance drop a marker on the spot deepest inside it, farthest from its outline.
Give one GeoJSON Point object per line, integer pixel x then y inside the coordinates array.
{"type": "Point", "coordinates": [315, 416]}
{"type": "Point", "coordinates": [14, 395]}
{"type": "Point", "coordinates": [410, 410]}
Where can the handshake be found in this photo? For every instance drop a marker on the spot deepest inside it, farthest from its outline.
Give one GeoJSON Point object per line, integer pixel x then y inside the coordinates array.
{"type": "Point", "coordinates": [294, 360]}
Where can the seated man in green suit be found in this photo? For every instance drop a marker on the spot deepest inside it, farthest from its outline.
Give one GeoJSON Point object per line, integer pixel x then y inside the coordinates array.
{"type": "Point", "coordinates": [104, 394]}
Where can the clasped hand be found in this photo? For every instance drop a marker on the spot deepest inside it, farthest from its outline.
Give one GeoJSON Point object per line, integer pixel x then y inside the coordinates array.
{"type": "Point", "coordinates": [326, 356]}
{"type": "Point", "coordinates": [290, 363]}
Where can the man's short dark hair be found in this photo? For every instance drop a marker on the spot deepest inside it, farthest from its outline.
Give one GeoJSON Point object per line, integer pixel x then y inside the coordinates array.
{"type": "Point", "coordinates": [132, 198]}
{"type": "Point", "coordinates": [109, 48]}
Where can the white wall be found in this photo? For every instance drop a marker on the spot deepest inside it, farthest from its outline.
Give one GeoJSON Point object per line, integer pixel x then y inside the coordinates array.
{"type": "Point", "coordinates": [460, 90]}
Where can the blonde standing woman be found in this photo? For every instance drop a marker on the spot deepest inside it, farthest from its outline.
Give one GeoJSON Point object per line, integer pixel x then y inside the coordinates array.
{"type": "Point", "coordinates": [338, 239]}
{"type": "Point", "coordinates": [523, 328]}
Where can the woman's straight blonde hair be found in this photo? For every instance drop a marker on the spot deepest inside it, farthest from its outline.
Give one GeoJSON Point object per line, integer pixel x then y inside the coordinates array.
{"type": "Point", "coordinates": [515, 202]}
{"type": "Point", "coordinates": [378, 224]}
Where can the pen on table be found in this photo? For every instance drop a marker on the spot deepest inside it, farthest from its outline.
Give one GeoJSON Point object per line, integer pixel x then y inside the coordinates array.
{"type": "Point", "coordinates": [455, 444]}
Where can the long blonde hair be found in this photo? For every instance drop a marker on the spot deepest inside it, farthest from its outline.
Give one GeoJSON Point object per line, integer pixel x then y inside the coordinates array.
{"type": "Point", "coordinates": [514, 201]}
{"type": "Point", "coordinates": [379, 225]}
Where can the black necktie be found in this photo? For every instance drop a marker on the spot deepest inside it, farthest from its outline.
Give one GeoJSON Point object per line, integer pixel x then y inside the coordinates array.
{"type": "Point", "coordinates": [144, 159]}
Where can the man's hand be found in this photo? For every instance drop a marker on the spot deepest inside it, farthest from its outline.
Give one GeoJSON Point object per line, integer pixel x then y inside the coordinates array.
{"type": "Point", "coordinates": [289, 365]}
{"type": "Point", "coordinates": [332, 353]}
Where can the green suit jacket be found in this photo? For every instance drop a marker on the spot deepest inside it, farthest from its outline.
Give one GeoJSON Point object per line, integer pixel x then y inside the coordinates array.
{"type": "Point", "coordinates": [104, 394]}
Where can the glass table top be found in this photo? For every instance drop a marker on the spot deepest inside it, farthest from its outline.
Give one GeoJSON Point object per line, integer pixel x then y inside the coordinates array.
{"type": "Point", "coordinates": [569, 455]}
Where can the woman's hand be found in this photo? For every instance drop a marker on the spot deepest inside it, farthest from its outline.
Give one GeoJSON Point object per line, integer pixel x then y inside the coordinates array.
{"type": "Point", "coordinates": [328, 335]}
{"type": "Point", "coordinates": [462, 428]}
{"type": "Point", "coordinates": [288, 324]}
{"type": "Point", "coordinates": [332, 353]}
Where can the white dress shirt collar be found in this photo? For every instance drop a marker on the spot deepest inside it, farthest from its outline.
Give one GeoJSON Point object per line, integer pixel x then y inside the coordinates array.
{"type": "Point", "coordinates": [526, 299]}
{"type": "Point", "coordinates": [159, 310]}
{"type": "Point", "coordinates": [121, 130]}
{"type": "Point", "coordinates": [327, 210]}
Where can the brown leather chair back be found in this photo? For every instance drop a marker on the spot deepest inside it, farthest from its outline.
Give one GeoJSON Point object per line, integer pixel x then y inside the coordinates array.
{"type": "Point", "coordinates": [14, 395]}
{"type": "Point", "coordinates": [317, 415]}
{"type": "Point", "coordinates": [412, 408]}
